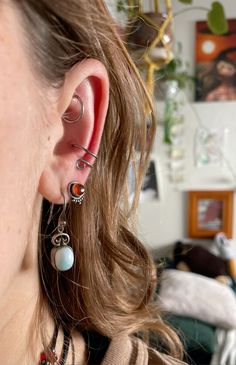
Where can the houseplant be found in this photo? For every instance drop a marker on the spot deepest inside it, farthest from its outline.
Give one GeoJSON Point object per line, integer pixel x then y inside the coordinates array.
{"type": "Point", "coordinates": [150, 37]}
{"type": "Point", "coordinates": [215, 15]}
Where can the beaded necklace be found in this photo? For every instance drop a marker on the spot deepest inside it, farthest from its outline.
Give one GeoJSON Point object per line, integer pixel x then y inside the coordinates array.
{"type": "Point", "coordinates": [49, 357]}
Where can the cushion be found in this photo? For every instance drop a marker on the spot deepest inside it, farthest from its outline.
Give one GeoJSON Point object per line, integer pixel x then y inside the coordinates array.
{"type": "Point", "coordinates": [193, 295]}
{"type": "Point", "coordinates": [194, 334]}
{"type": "Point", "coordinates": [200, 260]}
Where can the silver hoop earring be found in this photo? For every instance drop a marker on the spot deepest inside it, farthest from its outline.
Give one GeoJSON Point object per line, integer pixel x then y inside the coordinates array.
{"type": "Point", "coordinates": [85, 150]}
{"type": "Point", "coordinates": [81, 163]}
{"type": "Point", "coordinates": [62, 255]}
{"type": "Point", "coordinates": [71, 117]}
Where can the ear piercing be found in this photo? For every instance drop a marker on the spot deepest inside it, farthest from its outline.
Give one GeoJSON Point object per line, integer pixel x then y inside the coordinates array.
{"type": "Point", "coordinates": [76, 192]}
{"type": "Point", "coordinates": [62, 255]}
{"type": "Point", "coordinates": [72, 117]}
{"type": "Point", "coordinates": [85, 150]}
{"type": "Point", "coordinates": [82, 162]}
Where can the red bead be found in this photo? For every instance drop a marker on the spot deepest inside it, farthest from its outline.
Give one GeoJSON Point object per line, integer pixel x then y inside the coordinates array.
{"type": "Point", "coordinates": [49, 357]}
{"type": "Point", "coordinates": [43, 356]}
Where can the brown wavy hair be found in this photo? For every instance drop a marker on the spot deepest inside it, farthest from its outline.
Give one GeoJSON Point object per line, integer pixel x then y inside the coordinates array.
{"type": "Point", "coordinates": [111, 285]}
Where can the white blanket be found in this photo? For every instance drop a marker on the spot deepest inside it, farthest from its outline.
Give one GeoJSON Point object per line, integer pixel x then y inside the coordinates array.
{"type": "Point", "coordinates": [192, 295]}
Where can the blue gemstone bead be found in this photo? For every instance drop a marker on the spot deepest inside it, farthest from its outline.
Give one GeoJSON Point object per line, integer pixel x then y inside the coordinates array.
{"type": "Point", "coordinates": [62, 258]}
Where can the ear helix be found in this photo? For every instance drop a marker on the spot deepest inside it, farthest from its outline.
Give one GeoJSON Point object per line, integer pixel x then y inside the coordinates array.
{"type": "Point", "coordinates": [71, 116]}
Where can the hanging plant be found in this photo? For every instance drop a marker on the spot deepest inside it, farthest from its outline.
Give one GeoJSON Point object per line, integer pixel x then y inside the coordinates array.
{"type": "Point", "coordinates": [177, 71]}
{"type": "Point", "coordinates": [145, 29]}
{"type": "Point", "coordinates": [215, 15]}
{"type": "Point", "coordinates": [150, 36]}
{"type": "Point", "coordinates": [216, 20]}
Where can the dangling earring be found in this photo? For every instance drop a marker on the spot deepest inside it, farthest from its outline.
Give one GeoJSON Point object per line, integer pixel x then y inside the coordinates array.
{"type": "Point", "coordinates": [62, 255]}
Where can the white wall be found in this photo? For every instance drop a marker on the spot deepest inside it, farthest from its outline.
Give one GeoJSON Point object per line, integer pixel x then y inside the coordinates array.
{"type": "Point", "coordinates": [163, 222]}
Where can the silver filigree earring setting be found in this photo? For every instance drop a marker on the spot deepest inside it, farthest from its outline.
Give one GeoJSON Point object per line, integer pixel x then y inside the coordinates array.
{"type": "Point", "coordinates": [62, 255]}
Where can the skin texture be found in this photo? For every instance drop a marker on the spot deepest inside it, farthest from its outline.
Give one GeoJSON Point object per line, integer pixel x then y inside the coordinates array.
{"type": "Point", "coordinates": [36, 161]}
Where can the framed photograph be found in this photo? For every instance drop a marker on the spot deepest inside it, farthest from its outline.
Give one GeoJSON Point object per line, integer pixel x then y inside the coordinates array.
{"type": "Point", "coordinates": [210, 212]}
{"type": "Point", "coordinates": [215, 63]}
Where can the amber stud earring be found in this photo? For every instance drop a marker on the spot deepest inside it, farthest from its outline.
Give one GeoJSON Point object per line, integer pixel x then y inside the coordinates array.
{"type": "Point", "coordinates": [76, 192]}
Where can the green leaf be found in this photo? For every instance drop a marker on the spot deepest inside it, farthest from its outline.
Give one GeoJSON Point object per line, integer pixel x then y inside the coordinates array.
{"type": "Point", "coordinates": [216, 20]}
{"type": "Point", "coordinates": [186, 1]}
{"type": "Point", "coordinates": [120, 5]}
{"type": "Point", "coordinates": [171, 66]}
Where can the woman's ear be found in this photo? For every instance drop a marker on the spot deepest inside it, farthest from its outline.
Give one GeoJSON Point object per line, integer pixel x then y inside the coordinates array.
{"type": "Point", "coordinates": [83, 98]}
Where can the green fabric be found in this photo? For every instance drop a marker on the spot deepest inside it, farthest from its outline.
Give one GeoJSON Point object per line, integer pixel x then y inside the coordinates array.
{"type": "Point", "coordinates": [195, 334]}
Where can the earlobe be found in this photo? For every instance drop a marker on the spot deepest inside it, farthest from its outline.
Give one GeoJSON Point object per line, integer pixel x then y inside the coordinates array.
{"type": "Point", "coordinates": [82, 107]}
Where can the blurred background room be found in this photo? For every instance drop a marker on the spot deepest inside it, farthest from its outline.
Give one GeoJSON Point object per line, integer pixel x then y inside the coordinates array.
{"type": "Point", "coordinates": [186, 53]}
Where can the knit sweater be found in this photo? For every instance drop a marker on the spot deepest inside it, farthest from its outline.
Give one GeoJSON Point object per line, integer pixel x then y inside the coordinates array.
{"type": "Point", "coordinates": [124, 350]}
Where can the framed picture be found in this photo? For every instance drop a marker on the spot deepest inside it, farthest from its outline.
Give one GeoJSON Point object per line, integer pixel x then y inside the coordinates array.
{"type": "Point", "coordinates": [210, 212]}
{"type": "Point", "coordinates": [215, 63]}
